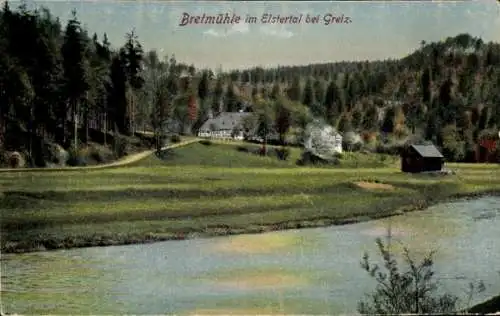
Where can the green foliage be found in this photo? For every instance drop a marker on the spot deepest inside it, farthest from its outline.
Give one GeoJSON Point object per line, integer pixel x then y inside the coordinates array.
{"type": "Point", "coordinates": [264, 125]}
{"type": "Point", "coordinates": [89, 155]}
{"type": "Point", "coordinates": [132, 54]}
{"type": "Point", "coordinates": [388, 124]}
{"type": "Point", "coordinates": [334, 102]}
{"type": "Point", "coordinates": [282, 153]}
{"type": "Point", "coordinates": [206, 142]}
{"type": "Point", "coordinates": [243, 149]}
{"type": "Point", "coordinates": [454, 144]}
{"type": "Point", "coordinates": [117, 98]}
{"type": "Point", "coordinates": [294, 92]}
{"type": "Point", "coordinates": [309, 95]}
{"type": "Point", "coordinates": [121, 146]}
{"type": "Point", "coordinates": [400, 292]}
{"type": "Point", "coordinates": [283, 118]}
{"type": "Point", "coordinates": [345, 123]}
{"type": "Point", "coordinates": [76, 157]}
{"type": "Point", "coordinates": [310, 159]}
{"type": "Point", "coordinates": [218, 92]}
{"type": "Point", "coordinates": [370, 119]}
{"type": "Point", "coordinates": [231, 99]}
{"type": "Point", "coordinates": [425, 82]}
{"type": "Point", "coordinates": [357, 118]}
{"type": "Point", "coordinates": [175, 139]}
{"type": "Point", "coordinates": [203, 86]}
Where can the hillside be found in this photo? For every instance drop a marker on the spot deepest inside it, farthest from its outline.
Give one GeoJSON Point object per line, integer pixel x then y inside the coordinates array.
{"type": "Point", "coordinates": [61, 85]}
{"type": "Point", "coordinates": [446, 92]}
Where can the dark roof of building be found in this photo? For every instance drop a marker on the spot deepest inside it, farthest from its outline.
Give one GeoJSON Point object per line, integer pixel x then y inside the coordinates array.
{"type": "Point", "coordinates": [427, 151]}
{"type": "Point", "coordinates": [225, 121]}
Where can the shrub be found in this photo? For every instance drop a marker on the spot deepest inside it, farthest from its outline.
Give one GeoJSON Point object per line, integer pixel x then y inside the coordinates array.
{"type": "Point", "coordinates": [369, 137]}
{"type": "Point", "coordinates": [175, 139]}
{"type": "Point", "coordinates": [121, 146]}
{"type": "Point", "coordinates": [161, 141]}
{"type": "Point", "coordinates": [242, 149]}
{"type": "Point", "coordinates": [309, 158]}
{"type": "Point", "coordinates": [404, 292]}
{"type": "Point", "coordinates": [413, 290]}
{"type": "Point", "coordinates": [101, 154]}
{"type": "Point", "coordinates": [3, 158]}
{"type": "Point", "coordinates": [15, 160]}
{"type": "Point", "coordinates": [283, 153]}
{"type": "Point", "coordinates": [388, 149]}
{"type": "Point", "coordinates": [164, 154]}
{"type": "Point", "coordinates": [57, 154]}
{"type": "Point", "coordinates": [352, 147]}
{"type": "Point", "coordinates": [77, 157]}
{"type": "Point", "coordinates": [206, 142]}
{"type": "Point", "coordinates": [338, 155]}
{"type": "Point", "coordinates": [263, 151]}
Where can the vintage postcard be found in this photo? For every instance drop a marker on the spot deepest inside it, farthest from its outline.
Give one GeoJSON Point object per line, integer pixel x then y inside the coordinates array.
{"type": "Point", "coordinates": [249, 158]}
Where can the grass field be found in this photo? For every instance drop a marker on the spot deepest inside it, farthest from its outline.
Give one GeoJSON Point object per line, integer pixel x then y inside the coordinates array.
{"type": "Point", "coordinates": [201, 190]}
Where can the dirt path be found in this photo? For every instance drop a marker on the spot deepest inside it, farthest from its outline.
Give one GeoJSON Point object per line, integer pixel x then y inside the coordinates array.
{"type": "Point", "coordinates": [119, 163]}
{"type": "Point", "coordinates": [374, 186]}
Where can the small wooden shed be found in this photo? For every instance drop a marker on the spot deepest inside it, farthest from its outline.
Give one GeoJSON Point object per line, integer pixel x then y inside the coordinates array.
{"type": "Point", "coordinates": [421, 158]}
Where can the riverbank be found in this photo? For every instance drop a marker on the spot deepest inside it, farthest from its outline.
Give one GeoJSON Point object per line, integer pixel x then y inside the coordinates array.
{"type": "Point", "coordinates": [203, 191]}
{"type": "Point", "coordinates": [489, 307]}
{"type": "Point", "coordinates": [34, 245]}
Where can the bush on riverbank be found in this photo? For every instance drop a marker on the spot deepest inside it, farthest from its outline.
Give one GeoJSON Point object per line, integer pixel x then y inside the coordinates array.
{"type": "Point", "coordinates": [404, 292]}
{"type": "Point", "coordinates": [410, 291]}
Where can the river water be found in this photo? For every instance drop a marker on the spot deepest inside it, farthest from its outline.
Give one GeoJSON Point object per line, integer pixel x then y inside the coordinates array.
{"type": "Point", "coordinates": [308, 271]}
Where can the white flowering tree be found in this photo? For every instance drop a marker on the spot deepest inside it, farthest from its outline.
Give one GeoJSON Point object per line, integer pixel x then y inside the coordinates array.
{"type": "Point", "coordinates": [322, 140]}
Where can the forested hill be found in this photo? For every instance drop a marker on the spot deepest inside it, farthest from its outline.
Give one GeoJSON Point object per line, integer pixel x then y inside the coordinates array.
{"type": "Point", "coordinates": [58, 83]}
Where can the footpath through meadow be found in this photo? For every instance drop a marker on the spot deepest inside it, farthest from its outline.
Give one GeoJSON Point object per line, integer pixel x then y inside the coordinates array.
{"type": "Point", "coordinates": [118, 163]}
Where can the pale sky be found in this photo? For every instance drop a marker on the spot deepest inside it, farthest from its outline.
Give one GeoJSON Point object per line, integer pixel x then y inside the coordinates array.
{"type": "Point", "coordinates": [379, 30]}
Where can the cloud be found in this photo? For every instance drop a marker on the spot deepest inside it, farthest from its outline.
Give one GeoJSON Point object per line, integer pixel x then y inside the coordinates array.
{"type": "Point", "coordinates": [240, 28]}
{"type": "Point", "coordinates": [214, 33]}
{"type": "Point", "coordinates": [276, 30]}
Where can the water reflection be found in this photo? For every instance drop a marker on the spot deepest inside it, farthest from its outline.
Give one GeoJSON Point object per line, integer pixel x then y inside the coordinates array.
{"type": "Point", "coordinates": [310, 271]}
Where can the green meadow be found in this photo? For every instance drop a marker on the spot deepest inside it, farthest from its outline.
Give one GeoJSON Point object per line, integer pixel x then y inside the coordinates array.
{"type": "Point", "coordinates": [206, 190]}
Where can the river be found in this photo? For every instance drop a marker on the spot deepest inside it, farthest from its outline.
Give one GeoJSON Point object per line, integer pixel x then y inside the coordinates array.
{"type": "Point", "coordinates": [308, 271]}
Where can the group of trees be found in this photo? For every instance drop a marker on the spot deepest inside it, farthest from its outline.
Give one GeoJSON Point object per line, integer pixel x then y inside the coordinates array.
{"type": "Point", "coordinates": [58, 81]}
{"type": "Point", "coordinates": [446, 92]}
{"type": "Point", "coordinates": [54, 79]}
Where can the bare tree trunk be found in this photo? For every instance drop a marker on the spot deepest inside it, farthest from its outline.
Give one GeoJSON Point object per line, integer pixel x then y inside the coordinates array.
{"type": "Point", "coordinates": [264, 147]}
{"type": "Point", "coordinates": [105, 128]}
{"type": "Point", "coordinates": [75, 123]}
{"type": "Point", "coordinates": [133, 114]}
{"type": "Point", "coordinates": [30, 131]}
{"type": "Point", "coordinates": [86, 124]}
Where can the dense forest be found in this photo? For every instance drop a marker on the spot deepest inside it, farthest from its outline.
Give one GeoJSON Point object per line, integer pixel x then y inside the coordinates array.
{"type": "Point", "coordinates": [61, 85]}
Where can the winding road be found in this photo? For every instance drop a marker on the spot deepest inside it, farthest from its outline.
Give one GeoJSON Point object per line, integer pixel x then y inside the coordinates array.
{"type": "Point", "coordinates": [119, 163]}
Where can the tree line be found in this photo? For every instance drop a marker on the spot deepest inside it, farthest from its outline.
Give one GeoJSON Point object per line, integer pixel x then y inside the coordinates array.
{"type": "Point", "coordinates": [59, 82]}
